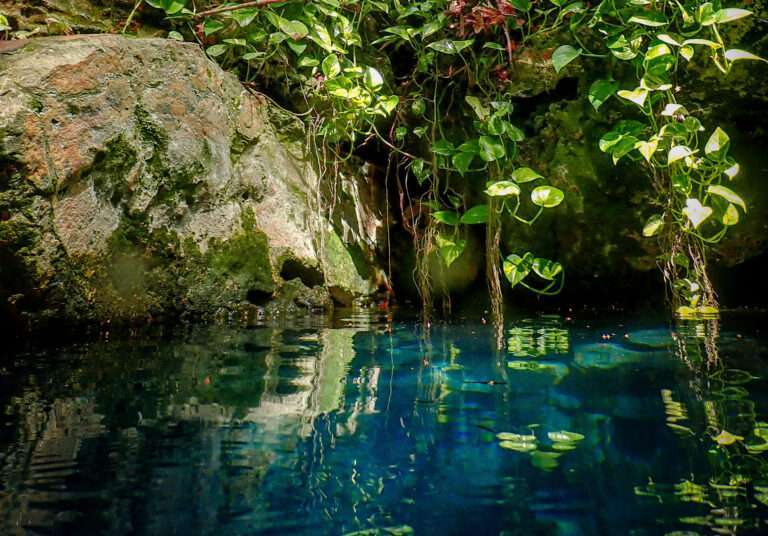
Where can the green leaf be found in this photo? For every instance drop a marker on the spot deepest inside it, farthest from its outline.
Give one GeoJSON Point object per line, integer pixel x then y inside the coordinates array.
{"type": "Point", "coordinates": [686, 52]}
{"type": "Point", "coordinates": [732, 171]}
{"type": "Point", "coordinates": [547, 196]}
{"type": "Point", "coordinates": [293, 28]}
{"type": "Point", "coordinates": [521, 5]}
{"type": "Point", "coordinates": [647, 148]}
{"type": "Point", "coordinates": [476, 214]}
{"type": "Point", "coordinates": [461, 161]}
{"type": "Point", "coordinates": [446, 216]}
{"type": "Point", "coordinates": [525, 174]}
{"type": "Point", "coordinates": [244, 17]}
{"type": "Point", "coordinates": [516, 268]}
{"type": "Point", "coordinates": [211, 26]}
{"type": "Point", "coordinates": [388, 104]}
{"type": "Point", "coordinates": [696, 212]}
{"type": "Point", "coordinates": [373, 79]}
{"type": "Point", "coordinates": [731, 14]}
{"type": "Point", "coordinates": [727, 194]}
{"type": "Point", "coordinates": [176, 36]}
{"type": "Point", "coordinates": [171, 7]}
{"type": "Point", "coordinates": [479, 108]}
{"type": "Point", "coordinates": [450, 249]}
{"type": "Point", "coordinates": [216, 50]}
{"type": "Point", "coordinates": [502, 189]}
{"type": "Point", "coordinates": [705, 42]}
{"type": "Point", "coordinates": [637, 95]}
{"type": "Point", "coordinates": [446, 46]}
{"type": "Point", "coordinates": [563, 55]}
{"type": "Point", "coordinates": [731, 215]}
{"type": "Point", "coordinates": [653, 225]}
{"type": "Point", "coordinates": [650, 19]}
{"type": "Point", "coordinates": [491, 148]}
{"type": "Point", "coordinates": [443, 147]}
{"type": "Point", "coordinates": [738, 55]}
{"type": "Point", "coordinates": [546, 269]}
{"type": "Point", "coordinates": [331, 66]}
{"type": "Point", "coordinates": [600, 91]}
{"type": "Point", "coordinates": [718, 142]}
{"type": "Point", "coordinates": [678, 152]}
{"type": "Point", "coordinates": [657, 51]}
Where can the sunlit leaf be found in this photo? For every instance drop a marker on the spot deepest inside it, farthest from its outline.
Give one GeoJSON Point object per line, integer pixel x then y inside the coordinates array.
{"type": "Point", "coordinates": [650, 19]}
{"type": "Point", "coordinates": [738, 55]}
{"type": "Point", "coordinates": [647, 148]}
{"type": "Point", "coordinates": [546, 269]}
{"type": "Point", "coordinates": [731, 14]}
{"type": "Point", "coordinates": [547, 196]}
{"type": "Point", "coordinates": [331, 66]}
{"type": "Point", "coordinates": [696, 212]}
{"type": "Point", "coordinates": [727, 194]}
{"type": "Point", "coordinates": [479, 108]}
{"type": "Point", "coordinates": [726, 438]}
{"type": "Point", "coordinates": [373, 78]}
{"type": "Point", "coordinates": [678, 152]}
{"type": "Point", "coordinates": [717, 143]}
{"type": "Point", "coordinates": [446, 216]}
{"type": "Point", "coordinates": [519, 446]}
{"type": "Point", "coordinates": [450, 249]}
{"type": "Point", "coordinates": [637, 96]}
{"type": "Point", "coordinates": [503, 189]}
{"type": "Point", "coordinates": [564, 435]}
{"type": "Point", "coordinates": [516, 268]}
{"type": "Point", "coordinates": [216, 50]}
{"type": "Point", "coordinates": [653, 225]}
{"type": "Point", "coordinates": [731, 215]}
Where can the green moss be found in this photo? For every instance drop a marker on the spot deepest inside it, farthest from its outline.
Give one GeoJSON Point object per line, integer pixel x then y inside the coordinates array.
{"type": "Point", "coordinates": [245, 260]}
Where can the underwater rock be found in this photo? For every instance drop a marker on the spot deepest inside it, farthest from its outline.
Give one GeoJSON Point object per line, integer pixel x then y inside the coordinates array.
{"type": "Point", "coordinates": [139, 180]}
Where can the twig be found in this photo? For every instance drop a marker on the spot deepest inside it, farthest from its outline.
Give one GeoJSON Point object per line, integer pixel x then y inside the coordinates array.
{"type": "Point", "coordinates": [224, 9]}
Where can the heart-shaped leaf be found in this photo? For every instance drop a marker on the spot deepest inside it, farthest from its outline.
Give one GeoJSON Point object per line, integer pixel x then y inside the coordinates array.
{"type": "Point", "coordinates": [516, 267]}
{"type": "Point", "coordinates": [547, 196]}
{"type": "Point", "coordinates": [477, 214]}
{"type": "Point", "coordinates": [563, 55]}
{"type": "Point", "coordinates": [653, 225]}
{"type": "Point", "coordinates": [696, 212]}
{"type": "Point", "coordinates": [525, 174]}
{"type": "Point", "coordinates": [503, 189]}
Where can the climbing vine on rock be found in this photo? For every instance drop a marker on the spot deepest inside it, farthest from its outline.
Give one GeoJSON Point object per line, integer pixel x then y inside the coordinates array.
{"type": "Point", "coordinates": [435, 83]}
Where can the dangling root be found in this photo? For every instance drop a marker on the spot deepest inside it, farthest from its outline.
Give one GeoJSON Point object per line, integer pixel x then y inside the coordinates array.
{"type": "Point", "coordinates": [492, 268]}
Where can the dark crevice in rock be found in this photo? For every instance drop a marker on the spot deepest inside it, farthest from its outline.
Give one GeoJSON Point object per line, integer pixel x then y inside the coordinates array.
{"type": "Point", "coordinates": [293, 269]}
{"type": "Point", "coordinates": [258, 297]}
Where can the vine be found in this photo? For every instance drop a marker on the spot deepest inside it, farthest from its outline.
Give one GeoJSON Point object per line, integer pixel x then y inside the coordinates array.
{"type": "Point", "coordinates": [433, 82]}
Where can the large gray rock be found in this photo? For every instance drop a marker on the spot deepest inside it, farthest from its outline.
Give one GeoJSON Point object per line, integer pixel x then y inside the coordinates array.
{"type": "Point", "coordinates": [137, 178]}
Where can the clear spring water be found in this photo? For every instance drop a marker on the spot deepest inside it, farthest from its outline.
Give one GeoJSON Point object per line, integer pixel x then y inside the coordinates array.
{"type": "Point", "coordinates": [368, 426]}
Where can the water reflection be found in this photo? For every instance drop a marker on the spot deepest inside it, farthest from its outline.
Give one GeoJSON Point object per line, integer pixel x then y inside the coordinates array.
{"type": "Point", "coordinates": [568, 429]}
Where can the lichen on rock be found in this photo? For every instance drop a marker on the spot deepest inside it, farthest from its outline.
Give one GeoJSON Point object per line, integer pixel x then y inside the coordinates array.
{"type": "Point", "coordinates": [139, 180]}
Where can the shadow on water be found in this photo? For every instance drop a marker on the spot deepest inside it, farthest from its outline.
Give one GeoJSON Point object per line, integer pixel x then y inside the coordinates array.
{"type": "Point", "coordinates": [575, 427]}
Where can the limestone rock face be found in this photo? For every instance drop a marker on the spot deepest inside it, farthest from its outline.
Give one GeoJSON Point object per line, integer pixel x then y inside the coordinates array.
{"type": "Point", "coordinates": [139, 179]}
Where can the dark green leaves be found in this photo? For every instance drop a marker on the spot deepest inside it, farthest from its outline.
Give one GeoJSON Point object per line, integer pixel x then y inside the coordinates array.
{"type": "Point", "coordinates": [446, 216]}
{"type": "Point", "coordinates": [171, 7]}
{"type": "Point", "coordinates": [491, 148]}
{"type": "Point", "coordinates": [600, 91]}
{"type": "Point", "coordinates": [477, 214]}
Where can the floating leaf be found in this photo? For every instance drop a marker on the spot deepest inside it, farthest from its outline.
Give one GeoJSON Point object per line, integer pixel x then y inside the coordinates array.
{"type": "Point", "coordinates": [509, 436]}
{"type": "Point", "coordinates": [524, 174]}
{"type": "Point", "coordinates": [727, 194]}
{"type": "Point", "coordinates": [547, 196]}
{"type": "Point", "coordinates": [696, 212]}
{"type": "Point", "coordinates": [503, 189]}
{"type": "Point", "coordinates": [653, 225]}
{"type": "Point", "coordinates": [564, 435]}
{"type": "Point", "coordinates": [563, 55]}
{"type": "Point", "coordinates": [519, 446]}
{"type": "Point", "coordinates": [476, 214]}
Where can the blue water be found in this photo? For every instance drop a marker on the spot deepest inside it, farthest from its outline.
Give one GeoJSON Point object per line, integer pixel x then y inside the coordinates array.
{"type": "Point", "coordinates": [619, 426]}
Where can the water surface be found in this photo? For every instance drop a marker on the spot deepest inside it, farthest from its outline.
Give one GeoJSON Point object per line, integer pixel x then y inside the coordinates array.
{"type": "Point", "coordinates": [574, 427]}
